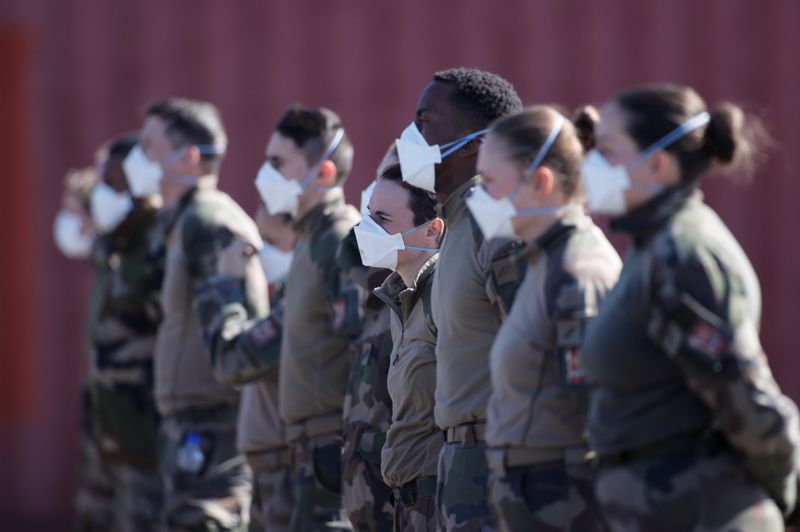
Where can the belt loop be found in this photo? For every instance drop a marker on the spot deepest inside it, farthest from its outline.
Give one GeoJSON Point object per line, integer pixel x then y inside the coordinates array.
{"type": "Point", "coordinates": [470, 437]}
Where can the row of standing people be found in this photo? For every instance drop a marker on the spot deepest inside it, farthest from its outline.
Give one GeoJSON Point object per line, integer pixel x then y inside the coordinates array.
{"type": "Point", "coordinates": [468, 351]}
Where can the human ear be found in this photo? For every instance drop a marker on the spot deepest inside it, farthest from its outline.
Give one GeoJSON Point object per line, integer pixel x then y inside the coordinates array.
{"type": "Point", "coordinates": [435, 230]}
{"type": "Point", "coordinates": [544, 181]}
{"type": "Point", "coordinates": [326, 175]}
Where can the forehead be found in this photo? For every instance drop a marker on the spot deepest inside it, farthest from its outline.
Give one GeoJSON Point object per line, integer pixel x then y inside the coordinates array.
{"type": "Point", "coordinates": [389, 197]}
{"type": "Point", "coordinates": [283, 147]}
{"type": "Point", "coordinates": [612, 122]}
{"type": "Point", "coordinates": [493, 148]}
{"type": "Point", "coordinates": [436, 97]}
{"type": "Point", "coordinates": [154, 126]}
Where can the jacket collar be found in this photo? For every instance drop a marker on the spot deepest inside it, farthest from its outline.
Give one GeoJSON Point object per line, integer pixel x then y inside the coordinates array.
{"type": "Point", "coordinates": [456, 203]}
{"type": "Point", "coordinates": [396, 294]}
{"type": "Point", "coordinates": [333, 200]}
{"type": "Point", "coordinates": [646, 219]}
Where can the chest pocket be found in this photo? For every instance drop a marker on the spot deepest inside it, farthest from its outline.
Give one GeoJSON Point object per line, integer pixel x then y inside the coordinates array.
{"type": "Point", "coordinates": [505, 275]}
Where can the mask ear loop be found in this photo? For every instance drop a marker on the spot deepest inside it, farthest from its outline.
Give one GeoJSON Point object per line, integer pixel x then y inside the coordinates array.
{"type": "Point", "coordinates": [454, 146]}
{"type": "Point", "coordinates": [537, 161]}
{"type": "Point", "coordinates": [667, 140]}
{"type": "Point", "coordinates": [417, 248]}
{"type": "Point", "coordinates": [204, 149]}
{"type": "Point", "coordinates": [334, 144]}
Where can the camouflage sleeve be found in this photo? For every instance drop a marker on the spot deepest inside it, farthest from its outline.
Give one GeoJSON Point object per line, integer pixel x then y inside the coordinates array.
{"type": "Point", "coordinates": [242, 349]}
{"type": "Point", "coordinates": [500, 260]}
{"type": "Point", "coordinates": [345, 297]}
{"type": "Point", "coordinates": [700, 316]}
{"type": "Point", "coordinates": [204, 238]}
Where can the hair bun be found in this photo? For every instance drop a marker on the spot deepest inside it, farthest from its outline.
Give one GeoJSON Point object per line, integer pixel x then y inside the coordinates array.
{"type": "Point", "coordinates": [723, 135]}
{"type": "Point", "coordinates": [586, 118]}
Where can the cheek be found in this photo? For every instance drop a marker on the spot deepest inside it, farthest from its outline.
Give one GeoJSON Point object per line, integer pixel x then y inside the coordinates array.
{"type": "Point", "coordinates": [501, 186]}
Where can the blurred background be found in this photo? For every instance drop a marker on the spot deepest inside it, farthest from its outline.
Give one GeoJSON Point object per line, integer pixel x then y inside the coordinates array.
{"type": "Point", "coordinates": [74, 73]}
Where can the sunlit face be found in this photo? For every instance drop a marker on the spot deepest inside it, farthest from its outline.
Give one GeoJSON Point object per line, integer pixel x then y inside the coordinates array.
{"type": "Point", "coordinates": [388, 206]}
{"type": "Point", "coordinates": [154, 139]}
{"type": "Point", "coordinates": [287, 157]}
{"type": "Point", "coordinates": [618, 148]}
{"type": "Point", "coordinates": [500, 173]}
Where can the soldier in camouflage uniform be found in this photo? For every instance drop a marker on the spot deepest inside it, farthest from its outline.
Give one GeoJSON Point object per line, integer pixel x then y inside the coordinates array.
{"type": "Point", "coordinates": [367, 405]}
{"type": "Point", "coordinates": [308, 159]}
{"type": "Point", "coordinates": [540, 472]}
{"type": "Point", "coordinates": [247, 353]}
{"type": "Point", "coordinates": [74, 236]}
{"type": "Point", "coordinates": [124, 317]}
{"type": "Point", "coordinates": [459, 104]}
{"type": "Point", "coordinates": [207, 482]}
{"type": "Point", "coordinates": [690, 429]}
{"type": "Point", "coordinates": [413, 442]}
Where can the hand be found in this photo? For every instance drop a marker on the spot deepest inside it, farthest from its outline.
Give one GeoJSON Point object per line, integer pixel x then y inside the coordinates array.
{"type": "Point", "coordinates": [233, 259]}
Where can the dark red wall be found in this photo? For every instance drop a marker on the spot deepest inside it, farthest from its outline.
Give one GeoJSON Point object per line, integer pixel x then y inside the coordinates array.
{"type": "Point", "coordinates": [75, 72]}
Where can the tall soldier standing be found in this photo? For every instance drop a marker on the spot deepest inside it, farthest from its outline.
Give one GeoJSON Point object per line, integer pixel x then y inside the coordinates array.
{"type": "Point", "coordinates": [689, 426]}
{"type": "Point", "coordinates": [124, 320]}
{"type": "Point", "coordinates": [453, 112]}
{"type": "Point", "coordinates": [207, 483]}
{"type": "Point", "coordinates": [308, 158]}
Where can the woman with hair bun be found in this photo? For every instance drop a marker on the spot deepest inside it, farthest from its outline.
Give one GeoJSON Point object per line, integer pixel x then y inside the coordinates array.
{"type": "Point", "coordinates": [530, 164]}
{"type": "Point", "coordinates": [689, 428]}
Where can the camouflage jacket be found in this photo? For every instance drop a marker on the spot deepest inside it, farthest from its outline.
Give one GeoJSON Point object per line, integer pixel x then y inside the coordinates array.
{"type": "Point", "coordinates": [539, 397]}
{"type": "Point", "coordinates": [323, 314]}
{"type": "Point", "coordinates": [675, 349]}
{"type": "Point", "coordinates": [367, 405]}
{"type": "Point", "coordinates": [124, 309]}
{"type": "Point", "coordinates": [123, 321]}
{"type": "Point", "coordinates": [199, 227]}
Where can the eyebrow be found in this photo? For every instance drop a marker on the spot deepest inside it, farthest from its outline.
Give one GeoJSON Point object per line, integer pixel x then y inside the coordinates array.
{"type": "Point", "coordinates": [382, 214]}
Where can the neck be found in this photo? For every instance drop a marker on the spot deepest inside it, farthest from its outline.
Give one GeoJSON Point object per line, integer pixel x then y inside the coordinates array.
{"type": "Point", "coordinates": [313, 197]}
{"type": "Point", "coordinates": [449, 178]}
{"type": "Point", "coordinates": [531, 227]}
{"type": "Point", "coordinates": [173, 188]}
{"type": "Point", "coordinates": [408, 272]}
{"type": "Point", "coordinates": [534, 226]}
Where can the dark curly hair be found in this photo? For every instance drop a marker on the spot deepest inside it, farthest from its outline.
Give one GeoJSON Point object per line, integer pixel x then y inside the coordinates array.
{"type": "Point", "coordinates": [481, 97]}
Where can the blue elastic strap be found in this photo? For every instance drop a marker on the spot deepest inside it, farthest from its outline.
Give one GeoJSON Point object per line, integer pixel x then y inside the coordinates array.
{"type": "Point", "coordinates": [210, 149]}
{"type": "Point", "coordinates": [551, 138]}
{"type": "Point", "coordinates": [417, 248]}
{"type": "Point", "coordinates": [337, 139]}
{"type": "Point", "coordinates": [454, 146]}
{"type": "Point", "coordinates": [539, 211]}
{"type": "Point", "coordinates": [676, 134]}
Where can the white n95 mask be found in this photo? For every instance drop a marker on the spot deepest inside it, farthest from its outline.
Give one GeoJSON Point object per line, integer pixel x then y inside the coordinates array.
{"type": "Point", "coordinates": [109, 207]}
{"type": "Point", "coordinates": [418, 159]}
{"type": "Point", "coordinates": [68, 237]}
{"type": "Point", "coordinates": [281, 195]}
{"type": "Point", "coordinates": [606, 183]}
{"type": "Point", "coordinates": [278, 193]}
{"type": "Point", "coordinates": [378, 248]}
{"type": "Point", "coordinates": [493, 215]}
{"type": "Point", "coordinates": [144, 176]}
{"type": "Point", "coordinates": [276, 262]}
